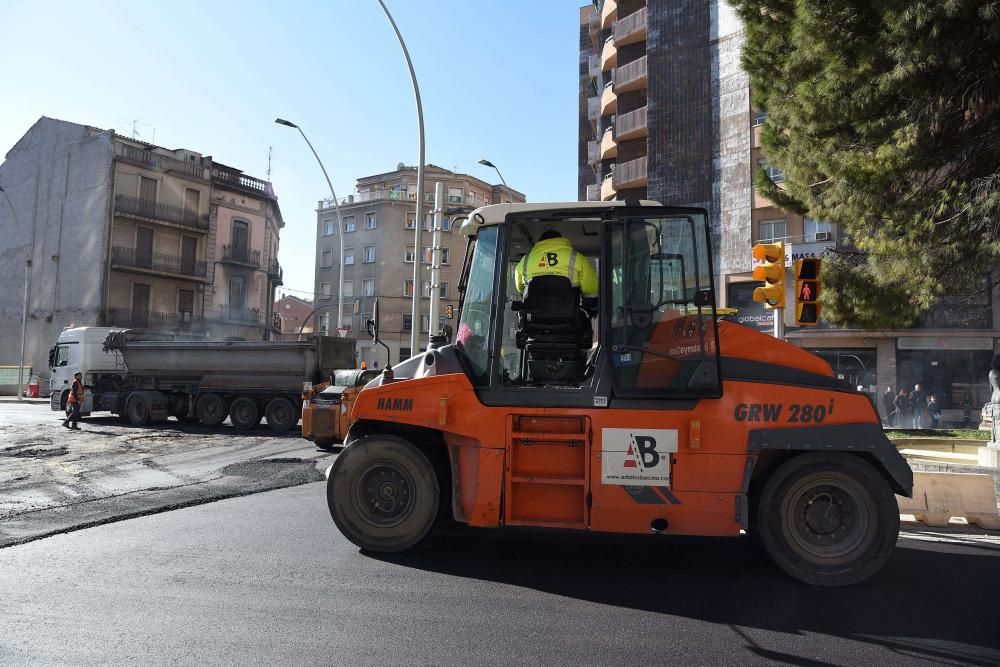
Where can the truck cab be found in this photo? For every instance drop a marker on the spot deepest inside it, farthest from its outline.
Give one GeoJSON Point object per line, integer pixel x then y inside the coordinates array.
{"type": "Point", "coordinates": [78, 350]}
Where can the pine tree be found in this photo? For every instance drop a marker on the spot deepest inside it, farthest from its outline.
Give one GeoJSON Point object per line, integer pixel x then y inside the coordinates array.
{"type": "Point", "coordinates": [885, 116]}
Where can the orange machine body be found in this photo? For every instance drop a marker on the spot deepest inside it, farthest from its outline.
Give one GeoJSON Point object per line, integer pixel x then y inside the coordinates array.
{"type": "Point", "coordinates": [586, 468]}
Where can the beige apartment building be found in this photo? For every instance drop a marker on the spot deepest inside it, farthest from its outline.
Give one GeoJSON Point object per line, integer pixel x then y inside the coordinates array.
{"type": "Point", "coordinates": [124, 233]}
{"type": "Point", "coordinates": [378, 227]}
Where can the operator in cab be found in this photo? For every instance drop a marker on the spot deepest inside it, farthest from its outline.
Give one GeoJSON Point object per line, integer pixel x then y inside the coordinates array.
{"type": "Point", "coordinates": [554, 256]}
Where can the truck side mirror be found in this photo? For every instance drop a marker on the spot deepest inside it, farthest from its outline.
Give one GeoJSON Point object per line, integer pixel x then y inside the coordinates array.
{"type": "Point", "coordinates": [52, 356]}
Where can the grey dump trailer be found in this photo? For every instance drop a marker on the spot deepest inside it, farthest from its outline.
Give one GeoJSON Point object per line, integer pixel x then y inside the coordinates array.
{"type": "Point", "coordinates": [202, 380]}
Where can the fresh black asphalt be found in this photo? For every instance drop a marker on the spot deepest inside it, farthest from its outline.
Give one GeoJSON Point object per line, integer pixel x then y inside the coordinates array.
{"type": "Point", "coordinates": [267, 579]}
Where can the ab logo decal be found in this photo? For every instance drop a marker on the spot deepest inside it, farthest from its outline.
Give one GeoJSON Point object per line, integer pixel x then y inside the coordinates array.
{"type": "Point", "coordinates": [637, 457]}
{"type": "Point", "coordinates": [550, 259]}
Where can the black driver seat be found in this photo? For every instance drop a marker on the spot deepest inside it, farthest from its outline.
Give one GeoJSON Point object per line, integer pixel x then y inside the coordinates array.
{"type": "Point", "coordinates": [553, 330]}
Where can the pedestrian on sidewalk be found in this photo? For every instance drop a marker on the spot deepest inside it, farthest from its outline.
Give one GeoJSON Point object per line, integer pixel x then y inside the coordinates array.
{"type": "Point", "coordinates": [918, 406]}
{"type": "Point", "coordinates": [75, 402]}
{"type": "Point", "coordinates": [889, 405]}
{"type": "Point", "coordinates": [934, 410]}
{"type": "Point", "coordinates": [902, 405]}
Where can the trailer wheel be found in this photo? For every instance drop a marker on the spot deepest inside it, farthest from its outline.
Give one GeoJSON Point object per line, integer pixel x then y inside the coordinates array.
{"type": "Point", "coordinates": [280, 414]}
{"type": "Point", "coordinates": [137, 410]}
{"type": "Point", "coordinates": [211, 409]}
{"type": "Point", "coordinates": [828, 519]}
{"type": "Point", "coordinates": [383, 494]}
{"type": "Point", "coordinates": [244, 413]}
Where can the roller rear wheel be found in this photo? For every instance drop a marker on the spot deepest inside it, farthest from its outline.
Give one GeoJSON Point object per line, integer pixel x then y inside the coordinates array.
{"type": "Point", "coordinates": [383, 494]}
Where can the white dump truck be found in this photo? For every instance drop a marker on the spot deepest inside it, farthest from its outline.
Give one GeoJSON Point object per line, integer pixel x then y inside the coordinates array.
{"type": "Point", "coordinates": [146, 377]}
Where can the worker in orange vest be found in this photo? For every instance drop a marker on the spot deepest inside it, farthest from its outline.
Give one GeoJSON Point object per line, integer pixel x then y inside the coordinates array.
{"type": "Point", "coordinates": [75, 402]}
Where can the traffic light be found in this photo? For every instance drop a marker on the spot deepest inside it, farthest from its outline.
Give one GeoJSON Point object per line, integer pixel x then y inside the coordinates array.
{"type": "Point", "coordinates": [807, 286]}
{"type": "Point", "coordinates": [772, 271]}
{"type": "Point", "coordinates": [449, 311]}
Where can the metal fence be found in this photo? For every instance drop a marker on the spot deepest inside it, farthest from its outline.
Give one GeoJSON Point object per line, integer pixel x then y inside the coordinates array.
{"type": "Point", "coordinates": [241, 254]}
{"type": "Point", "coordinates": [130, 257]}
{"type": "Point", "coordinates": [150, 209]}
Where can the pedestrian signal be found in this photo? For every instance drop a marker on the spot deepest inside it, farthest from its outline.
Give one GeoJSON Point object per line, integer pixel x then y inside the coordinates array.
{"type": "Point", "coordinates": [771, 270]}
{"type": "Point", "coordinates": [449, 311]}
{"type": "Point", "coordinates": [807, 288]}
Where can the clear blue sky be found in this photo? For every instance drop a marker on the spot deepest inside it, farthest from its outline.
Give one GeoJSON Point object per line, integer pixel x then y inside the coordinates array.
{"type": "Point", "coordinates": [498, 80]}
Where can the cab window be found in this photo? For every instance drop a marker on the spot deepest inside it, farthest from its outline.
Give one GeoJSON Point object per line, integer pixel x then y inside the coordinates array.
{"type": "Point", "coordinates": [473, 334]}
{"type": "Point", "coordinates": [61, 356]}
{"type": "Point", "coordinates": [662, 326]}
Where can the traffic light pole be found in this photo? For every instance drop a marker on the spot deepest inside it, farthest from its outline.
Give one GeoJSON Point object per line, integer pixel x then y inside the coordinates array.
{"type": "Point", "coordinates": [435, 295]}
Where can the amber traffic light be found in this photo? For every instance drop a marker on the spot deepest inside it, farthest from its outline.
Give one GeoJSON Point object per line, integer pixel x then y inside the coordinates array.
{"type": "Point", "coordinates": [449, 311]}
{"type": "Point", "coordinates": [807, 288]}
{"type": "Point", "coordinates": [771, 271]}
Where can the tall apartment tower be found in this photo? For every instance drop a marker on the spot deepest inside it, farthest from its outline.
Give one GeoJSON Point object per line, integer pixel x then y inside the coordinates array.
{"type": "Point", "coordinates": [127, 234]}
{"type": "Point", "coordinates": [665, 114]}
{"type": "Point", "coordinates": [379, 220]}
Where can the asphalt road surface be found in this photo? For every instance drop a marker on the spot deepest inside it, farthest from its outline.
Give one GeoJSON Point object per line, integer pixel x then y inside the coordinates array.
{"type": "Point", "coordinates": [267, 579]}
{"type": "Point", "coordinates": [53, 480]}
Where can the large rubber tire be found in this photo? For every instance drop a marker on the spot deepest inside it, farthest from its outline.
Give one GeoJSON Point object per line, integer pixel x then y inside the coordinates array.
{"type": "Point", "coordinates": [244, 414]}
{"type": "Point", "coordinates": [280, 414]}
{"type": "Point", "coordinates": [211, 409]}
{"type": "Point", "coordinates": [828, 519]}
{"type": "Point", "coordinates": [137, 410]}
{"type": "Point", "coordinates": [383, 494]}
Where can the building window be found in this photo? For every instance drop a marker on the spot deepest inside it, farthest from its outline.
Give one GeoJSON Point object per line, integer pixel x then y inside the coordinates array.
{"type": "Point", "coordinates": [454, 195]}
{"type": "Point", "coordinates": [368, 287]}
{"type": "Point", "coordinates": [348, 288]}
{"type": "Point", "coordinates": [407, 326]}
{"type": "Point", "coordinates": [772, 230]}
{"type": "Point", "coordinates": [369, 254]}
{"type": "Point", "coordinates": [147, 188]}
{"type": "Point", "coordinates": [425, 289]}
{"type": "Point", "coordinates": [328, 227]}
{"type": "Point", "coordinates": [185, 304]}
{"type": "Point", "coordinates": [443, 288]}
{"type": "Point", "coordinates": [348, 256]}
{"type": "Point", "coordinates": [326, 259]}
{"type": "Point", "coordinates": [237, 291]}
{"type": "Point", "coordinates": [446, 224]}
{"type": "Point", "coordinates": [241, 237]}
{"type": "Point", "coordinates": [759, 117]}
{"type": "Point", "coordinates": [817, 230]}
{"type": "Point", "coordinates": [192, 201]}
{"type": "Point", "coordinates": [775, 174]}
{"type": "Point", "coordinates": [445, 255]}
{"type": "Point", "coordinates": [349, 224]}
{"type": "Point", "coordinates": [324, 323]}
{"type": "Point", "coordinates": [424, 322]}
{"type": "Point", "coordinates": [428, 222]}
{"type": "Point", "coordinates": [370, 220]}
{"type": "Point", "coordinates": [407, 288]}
{"type": "Point", "coordinates": [428, 255]}
{"type": "Point", "coordinates": [408, 254]}
{"type": "Point", "coordinates": [404, 353]}
{"type": "Point", "coordinates": [411, 221]}
{"type": "Point", "coordinates": [324, 290]}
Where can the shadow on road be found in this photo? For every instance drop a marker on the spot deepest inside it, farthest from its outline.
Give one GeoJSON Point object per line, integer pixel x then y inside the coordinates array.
{"type": "Point", "coordinates": [187, 427]}
{"type": "Point", "coordinates": [924, 595]}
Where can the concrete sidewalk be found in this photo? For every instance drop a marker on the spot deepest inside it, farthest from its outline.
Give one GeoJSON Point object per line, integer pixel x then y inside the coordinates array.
{"type": "Point", "coordinates": [13, 399]}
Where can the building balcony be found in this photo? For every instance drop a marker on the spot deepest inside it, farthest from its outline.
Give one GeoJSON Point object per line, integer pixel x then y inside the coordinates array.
{"type": "Point", "coordinates": [631, 76]}
{"type": "Point", "coordinates": [631, 125]}
{"type": "Point", "coordinates": [609, 148]}
{"type": "Point", "coordinates": [143, 209]}
{"type": "Point", "coordinates": [593, 152]}
{"type": "Point", "coordinates": [147, 158]}
{"type": "Point", "coordinates": [609, 101]}
{"type": "Point", "coordinates": [609, 55]}
{"type": "Point", "coordinates": [241, 255]}
{"type": "Point", "coordinates": [149, 319]}
{"type": "Point", "coordinates": [609, 13]}
{"type": "Point", "coordinates": [594, 192]}
{"type": "Point", "coordinates": [594, 66]}
{"type": "Point", "coordinates": [238, 315]}
{"type": "Point", "coordinates": [157, 264]}
{"type": "Point", "coordinates": [608, 188]}
{"type": "Point", "coordinates": [234, 179]}
{"type": "Point", "coordinates": [274, 272]}
{"type": "Point", "coordinates": [593, 108]}
{"type": "Point", "coordinates": [631, 174]}
{"type": "Point", "coordinates": [631, 29]}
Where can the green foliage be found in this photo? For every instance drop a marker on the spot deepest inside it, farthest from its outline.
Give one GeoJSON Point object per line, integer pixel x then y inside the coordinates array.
{"type": "Point", "coordinates": [885, 117]}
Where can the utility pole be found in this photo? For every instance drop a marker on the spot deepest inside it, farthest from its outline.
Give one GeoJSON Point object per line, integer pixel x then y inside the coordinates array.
{"type": "Point", "coordinates": [436, 259]}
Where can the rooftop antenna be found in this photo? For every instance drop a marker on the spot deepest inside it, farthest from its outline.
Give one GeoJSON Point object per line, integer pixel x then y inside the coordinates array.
{"type": "Point", "coordinates": [135, 132]}
{"type": "Point", "coordinates": [269, 163]}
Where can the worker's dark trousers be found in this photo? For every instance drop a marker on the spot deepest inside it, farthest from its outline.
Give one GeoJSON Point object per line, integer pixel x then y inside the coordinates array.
{"type": "Point", "coordinates": [74, 415]}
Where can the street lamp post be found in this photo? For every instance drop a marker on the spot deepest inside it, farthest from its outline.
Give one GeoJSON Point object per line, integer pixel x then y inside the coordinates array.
{"type": "Point", "coordinates": [415, 309]}
{"type": "Point", "coordinates": [487, 163]}
{"type": "Point", "coordinates": [28, 251]}
{"type": "Point", "coordinates": [340, 224]}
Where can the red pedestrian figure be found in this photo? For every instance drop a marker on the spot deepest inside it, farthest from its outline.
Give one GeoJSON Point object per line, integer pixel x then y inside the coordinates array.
{"type": "Point", "coordinates": [806, 293]}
